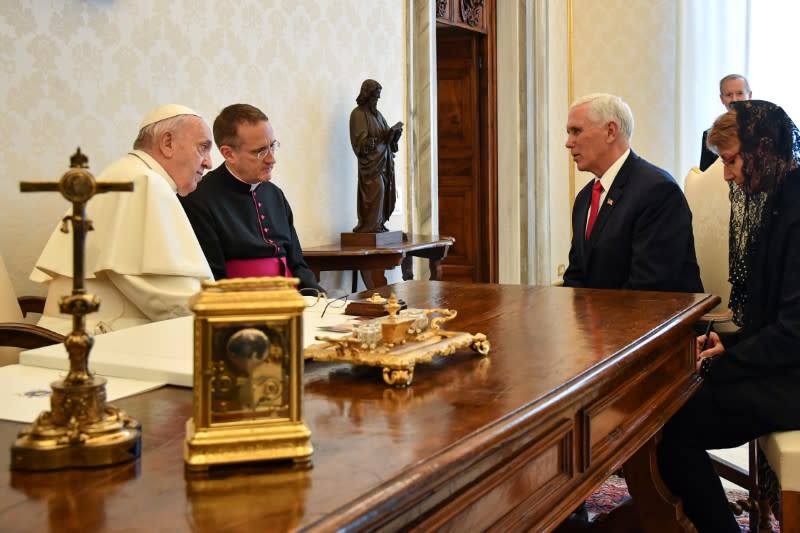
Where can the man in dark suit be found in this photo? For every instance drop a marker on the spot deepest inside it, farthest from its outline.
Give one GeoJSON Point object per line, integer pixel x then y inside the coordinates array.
{"type": "Point", "coordinates": [631, 225]}
{"type": "Point", "coordinates": [732, 88]}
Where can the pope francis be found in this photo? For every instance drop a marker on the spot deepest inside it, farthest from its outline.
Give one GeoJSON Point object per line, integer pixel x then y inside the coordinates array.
{"type": "Point", "coordinates": [143, 259]}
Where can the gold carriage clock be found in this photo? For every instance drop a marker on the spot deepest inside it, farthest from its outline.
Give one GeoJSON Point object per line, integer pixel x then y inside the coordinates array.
{"type": "Point", "coordinates": [248, 375]}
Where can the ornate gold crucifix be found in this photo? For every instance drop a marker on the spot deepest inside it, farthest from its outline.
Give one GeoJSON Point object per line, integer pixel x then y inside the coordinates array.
{"type": "Point", "coordinates": [80, 430]}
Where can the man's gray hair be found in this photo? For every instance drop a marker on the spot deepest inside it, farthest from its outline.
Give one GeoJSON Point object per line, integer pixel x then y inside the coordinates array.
{"type": "Point", "coordinates": [148, 136]}
{"type": "Point", "coordinates": [731, 77]}
{"type": "Point", "coordinates": [605, 108]}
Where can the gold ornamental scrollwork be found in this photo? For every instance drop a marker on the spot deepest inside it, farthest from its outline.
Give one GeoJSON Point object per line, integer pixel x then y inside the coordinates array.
{"type": "Point", "coordinates": [398, 342]}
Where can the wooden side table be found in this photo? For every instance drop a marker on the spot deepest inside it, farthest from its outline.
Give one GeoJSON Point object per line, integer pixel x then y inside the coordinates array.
{"type": "Point", "coordinates": [374, 261]}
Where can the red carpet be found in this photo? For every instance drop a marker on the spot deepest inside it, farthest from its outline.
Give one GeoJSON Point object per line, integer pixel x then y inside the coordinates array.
{"type": "Point", "coordinates": [614, 491]}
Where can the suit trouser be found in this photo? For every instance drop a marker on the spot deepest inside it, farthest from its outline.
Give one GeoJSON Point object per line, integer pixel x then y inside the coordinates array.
{"type": "Point", "coordinates": [716, 417]}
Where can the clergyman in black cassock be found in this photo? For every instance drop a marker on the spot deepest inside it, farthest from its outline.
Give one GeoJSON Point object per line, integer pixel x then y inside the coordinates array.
{"type": "Point", "coordinates": [242, 220]}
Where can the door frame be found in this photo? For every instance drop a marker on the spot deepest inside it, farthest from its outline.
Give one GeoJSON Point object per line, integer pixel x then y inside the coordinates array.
{"type": "Point", "coordinates": [523, 158]}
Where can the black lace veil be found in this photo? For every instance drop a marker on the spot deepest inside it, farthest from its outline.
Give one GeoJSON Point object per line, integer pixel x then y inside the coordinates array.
{"type": "Point", "coordinates": [770, 144]}
{"type": "Point", "coordinates": [770, 149]}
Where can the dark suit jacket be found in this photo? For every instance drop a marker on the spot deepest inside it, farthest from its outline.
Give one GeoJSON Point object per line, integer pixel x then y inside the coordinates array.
{"type": "Point", "coordinates": [707, 157]}
{"type": "Point", "coordinates": [642, 238]}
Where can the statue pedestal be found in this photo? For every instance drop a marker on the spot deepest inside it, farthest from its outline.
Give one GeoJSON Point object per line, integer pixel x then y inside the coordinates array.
{"type": "Point", "coordinates": [386, 238]}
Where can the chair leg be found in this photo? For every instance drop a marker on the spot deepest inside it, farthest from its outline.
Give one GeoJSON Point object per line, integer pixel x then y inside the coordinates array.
{"type": "Point", "coordinates": [754, 492]}
{"type": "Point", "coordinates": [763, 524]}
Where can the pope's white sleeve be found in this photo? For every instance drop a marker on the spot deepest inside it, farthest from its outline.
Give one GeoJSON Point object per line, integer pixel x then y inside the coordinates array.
{"type": "Point", "coordinates": [158, 297]}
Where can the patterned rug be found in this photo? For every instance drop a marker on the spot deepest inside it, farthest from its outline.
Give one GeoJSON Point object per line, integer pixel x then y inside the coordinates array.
{"type": "Point", "coordinates": [614, 491]}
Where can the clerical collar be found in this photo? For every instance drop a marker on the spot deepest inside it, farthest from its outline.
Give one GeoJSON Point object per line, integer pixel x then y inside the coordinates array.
{"type": "Point", "coordinates": [253, 186]}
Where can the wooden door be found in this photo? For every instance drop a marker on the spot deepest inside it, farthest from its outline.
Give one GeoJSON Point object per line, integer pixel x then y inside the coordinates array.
{"type": "Point", "coordinates": [459, 153]}
{"type": "Point", "coordinates": [467, 145]}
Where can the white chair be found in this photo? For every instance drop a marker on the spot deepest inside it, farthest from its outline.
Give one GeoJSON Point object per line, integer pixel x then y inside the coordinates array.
{"type": "Point", "coordinates": [783, 454]}
{"type": "Point", "coordinates": [10, 310]}
{"type": "Point", "coordinates": [14, 334]}
{"type": "Point", "coordinates": [707, 195]}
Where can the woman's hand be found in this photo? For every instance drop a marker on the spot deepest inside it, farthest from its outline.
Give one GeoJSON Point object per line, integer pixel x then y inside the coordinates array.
{"type": "Point", "coordinates": [707, 347]}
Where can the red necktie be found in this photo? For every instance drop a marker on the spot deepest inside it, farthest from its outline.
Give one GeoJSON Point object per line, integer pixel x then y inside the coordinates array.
{"type": "Point", "coordinates": [597, 190]}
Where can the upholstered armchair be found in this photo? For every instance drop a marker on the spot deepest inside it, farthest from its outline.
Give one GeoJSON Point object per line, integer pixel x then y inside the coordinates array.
{"type": "Point", "coordinates": [13, 331]}
{"type": "Point", "coordinates": [707, 194]}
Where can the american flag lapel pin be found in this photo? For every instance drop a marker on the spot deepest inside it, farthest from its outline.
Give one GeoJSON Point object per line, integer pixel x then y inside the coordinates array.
{"type": "Point", "coordinates": [610, 201]}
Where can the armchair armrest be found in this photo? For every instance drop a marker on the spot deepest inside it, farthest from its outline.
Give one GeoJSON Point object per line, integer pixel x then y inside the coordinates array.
{"type": "Point", "coordinates": [31, 304]}
{"type": "Point", "coordinates": [27, 336]}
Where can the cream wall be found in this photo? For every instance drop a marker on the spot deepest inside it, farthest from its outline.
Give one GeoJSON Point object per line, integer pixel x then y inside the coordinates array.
{"type": "Point", "coordinates": [628, 48]}
{"type": "Point", "coordinates": [84, 73]}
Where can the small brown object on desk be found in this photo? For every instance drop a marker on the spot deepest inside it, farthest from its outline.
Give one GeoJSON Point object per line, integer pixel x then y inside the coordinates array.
{"type": "Point", "coordinates": [387, 238]}
{"type": "Point", "coordinates": [373, 261]}
{"type": "Point", "coordinates": [512, 442]}
{"type": "Point", "coordinates": [375, 305]}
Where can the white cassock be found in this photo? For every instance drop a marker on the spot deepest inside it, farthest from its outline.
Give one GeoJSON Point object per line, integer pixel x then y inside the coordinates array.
{"type": "Point", "coordinates": [142, 259]}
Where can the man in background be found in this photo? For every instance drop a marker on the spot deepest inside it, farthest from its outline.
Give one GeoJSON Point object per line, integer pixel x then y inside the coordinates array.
{"type": "Point", "coordinates": [732, 88]}
{"type": "Point", "coordinates": [142, 259]}
{"type": "Point", "coordinates": [243, 220]}
{"type": "Point", "coordinates": [631, 225]}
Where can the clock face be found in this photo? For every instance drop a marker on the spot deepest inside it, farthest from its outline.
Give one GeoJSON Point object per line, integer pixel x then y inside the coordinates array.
{"type": "Point", "coordinates": [250, 371]}
{"type": "Point", "coordinates": [247, 349]}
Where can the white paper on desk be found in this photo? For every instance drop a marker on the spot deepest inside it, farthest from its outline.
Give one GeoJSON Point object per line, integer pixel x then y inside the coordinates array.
{"type": "Point", "coordinates": [163, 351]}
{"type": "Point", "coordinates": [315, 324]}
{"type": "Point", "coordinates": [160, 352]}
{"type": "Point", "coordinates": [25, 390]}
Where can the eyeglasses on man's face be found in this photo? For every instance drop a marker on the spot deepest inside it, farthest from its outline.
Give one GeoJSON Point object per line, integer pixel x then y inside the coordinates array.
{"type": "Point", "coordinates": [271, 148]}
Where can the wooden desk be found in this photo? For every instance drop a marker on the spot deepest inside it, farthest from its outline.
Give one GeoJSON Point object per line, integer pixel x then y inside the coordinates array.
{"type": "Point", "coordinates": [576, 385]}
{"type": "Point", "coordinates": [374, 261]}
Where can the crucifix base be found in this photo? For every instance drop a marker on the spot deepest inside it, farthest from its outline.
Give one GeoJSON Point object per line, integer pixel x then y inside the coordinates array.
{"type": "Point", "coordinates": [80, 431]}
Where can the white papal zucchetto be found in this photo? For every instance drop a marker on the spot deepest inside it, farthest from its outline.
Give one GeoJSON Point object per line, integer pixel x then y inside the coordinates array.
{"type": "Point", "coordinates": [166, 111]}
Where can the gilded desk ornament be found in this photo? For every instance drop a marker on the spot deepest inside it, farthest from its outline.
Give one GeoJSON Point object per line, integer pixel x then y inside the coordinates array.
{"type": "Point", "coordinates": [80, 430]}
{"type": "Point", "coordinates": [398, 342]}
{"type": "Point", "coordinates": [248, 375]}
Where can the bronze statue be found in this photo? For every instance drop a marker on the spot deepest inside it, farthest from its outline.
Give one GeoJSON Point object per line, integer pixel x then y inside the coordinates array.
{"type": "Point", "coordinates": [375, 144]}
